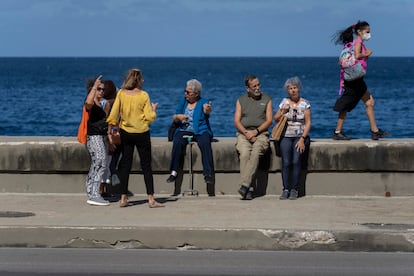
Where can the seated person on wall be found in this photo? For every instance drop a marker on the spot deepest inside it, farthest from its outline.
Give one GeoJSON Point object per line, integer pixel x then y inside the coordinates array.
{"type": "Point", "coordinates": [295, 140]}
{"type": "Point", "coordinates": [252, 119]}
{"type": "Point", "coordinates": [192, 114]}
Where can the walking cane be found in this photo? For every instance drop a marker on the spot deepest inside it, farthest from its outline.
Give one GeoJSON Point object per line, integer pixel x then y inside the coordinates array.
{"type": "Point", "coordinates": [191, 190]}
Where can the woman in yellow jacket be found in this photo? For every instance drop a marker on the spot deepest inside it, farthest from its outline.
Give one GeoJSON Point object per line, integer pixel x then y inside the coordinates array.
{"type": "Point", "coordinates": [134, 112]}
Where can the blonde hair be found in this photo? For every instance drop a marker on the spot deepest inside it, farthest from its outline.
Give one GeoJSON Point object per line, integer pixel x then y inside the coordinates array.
{"type": "Point", "coordinates": [133, 79]}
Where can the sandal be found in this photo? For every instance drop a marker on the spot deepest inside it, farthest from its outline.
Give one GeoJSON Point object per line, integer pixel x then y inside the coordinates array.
{"type": "Point", "coordinates": [155, 204]}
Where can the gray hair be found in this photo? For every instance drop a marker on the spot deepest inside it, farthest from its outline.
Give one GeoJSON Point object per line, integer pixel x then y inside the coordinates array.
{"type": "Point", "coordinates": [195, 86]}
{"type": "Point", "coordinates": [293, 81]}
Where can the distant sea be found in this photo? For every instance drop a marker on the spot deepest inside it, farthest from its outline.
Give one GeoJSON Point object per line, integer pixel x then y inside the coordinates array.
{"type": "Point", "coordinates": [44, 96]}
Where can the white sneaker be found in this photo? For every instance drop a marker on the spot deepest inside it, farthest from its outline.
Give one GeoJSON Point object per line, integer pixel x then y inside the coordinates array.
{"type": "Point", "coordinates": [97, 201]}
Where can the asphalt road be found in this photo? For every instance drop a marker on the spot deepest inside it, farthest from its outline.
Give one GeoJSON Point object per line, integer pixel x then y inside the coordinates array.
{"type": "Point", "coordinates": [48, 261]}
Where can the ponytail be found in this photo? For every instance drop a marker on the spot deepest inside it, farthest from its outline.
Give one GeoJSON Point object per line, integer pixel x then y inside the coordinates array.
{"type": "Point", "coordinates": [344, 36]}
{"type": "Point", "coordinates": [347, 35]}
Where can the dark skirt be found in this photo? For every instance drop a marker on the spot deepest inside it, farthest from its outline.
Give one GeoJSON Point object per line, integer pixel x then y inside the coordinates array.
{"type": "Point", "coordinates": [353, 91]}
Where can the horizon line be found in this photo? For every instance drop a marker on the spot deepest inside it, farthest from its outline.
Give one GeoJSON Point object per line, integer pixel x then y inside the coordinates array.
{"type": "Point", "coordinates": [193, 56]}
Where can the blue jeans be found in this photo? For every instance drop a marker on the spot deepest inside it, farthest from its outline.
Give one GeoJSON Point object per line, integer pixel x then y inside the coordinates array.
{"type": "Point", "coordinates": [204, 143]}
{"type": "Point", "coordinates": [291, 162]}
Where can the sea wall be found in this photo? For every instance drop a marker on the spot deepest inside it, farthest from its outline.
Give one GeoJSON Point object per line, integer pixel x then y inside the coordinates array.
{"type": "Point", "coordinates": [356, 167]}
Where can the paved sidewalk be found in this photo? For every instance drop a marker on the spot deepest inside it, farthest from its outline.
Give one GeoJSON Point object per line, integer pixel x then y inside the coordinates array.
{"type": "Point", "coordinates": [221, 222]}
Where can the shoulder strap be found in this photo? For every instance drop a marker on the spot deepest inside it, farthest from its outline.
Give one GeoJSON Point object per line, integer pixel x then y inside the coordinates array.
{"type": "Point", "coordinates": [349, 44]}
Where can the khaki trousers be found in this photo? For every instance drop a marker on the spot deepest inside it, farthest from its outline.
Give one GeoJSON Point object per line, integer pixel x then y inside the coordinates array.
{"type": "Point", "coordinates": [249, 155]}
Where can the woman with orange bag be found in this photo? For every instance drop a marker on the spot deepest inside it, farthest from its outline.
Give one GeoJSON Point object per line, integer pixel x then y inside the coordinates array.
{"type": "Point", "coordinates": [96, 142]}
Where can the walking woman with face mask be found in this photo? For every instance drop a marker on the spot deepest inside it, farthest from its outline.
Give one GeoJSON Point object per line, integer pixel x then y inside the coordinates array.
{"type": "Point", "coordinates": [352, 91]}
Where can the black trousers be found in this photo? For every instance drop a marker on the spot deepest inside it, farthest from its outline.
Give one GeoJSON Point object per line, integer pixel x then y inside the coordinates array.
{"type": "Point", "coordinates": [130, 141]}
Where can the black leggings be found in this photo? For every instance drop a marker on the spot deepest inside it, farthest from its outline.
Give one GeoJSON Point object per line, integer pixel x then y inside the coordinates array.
{"type": "Point", "coordinates": [142, 141]}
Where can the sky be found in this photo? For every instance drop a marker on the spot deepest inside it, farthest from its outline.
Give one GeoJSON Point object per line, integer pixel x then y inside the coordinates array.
{"type": "Point", "coordinates": [140, 28]}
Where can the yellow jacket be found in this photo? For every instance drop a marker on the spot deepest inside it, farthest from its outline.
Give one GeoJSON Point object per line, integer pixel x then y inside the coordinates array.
{"type": "Point", "coordinates": [133, 110]}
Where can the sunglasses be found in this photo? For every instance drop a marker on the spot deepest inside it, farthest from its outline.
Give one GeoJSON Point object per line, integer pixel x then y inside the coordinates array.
{"type": "Point", "coordinates": [254, 86]}
{"type": "Point", "coordinates": [188, 92]}
{"type": "Point", "coordinates": [100, 89]}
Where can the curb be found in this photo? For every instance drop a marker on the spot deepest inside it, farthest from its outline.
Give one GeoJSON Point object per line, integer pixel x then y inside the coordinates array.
{"type": "Point", "coordinates": [205, 239]}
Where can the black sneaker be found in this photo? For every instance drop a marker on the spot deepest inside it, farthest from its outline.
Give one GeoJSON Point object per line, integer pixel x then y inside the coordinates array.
{"type": "Point", "coordinates": [243, 191]}
{"type": "Point", "coordinates": [340, 136]}
{"type": "Point", "coordinates": [293, 194]}
{"type": "Point", "coordinates": [379, 134]}
{"type": "Point", "coordinates": [284, 195]}
{"type": "Point", "coordinates": [171, 178]}
{"type": "Point", "coordinates": [249, 196]}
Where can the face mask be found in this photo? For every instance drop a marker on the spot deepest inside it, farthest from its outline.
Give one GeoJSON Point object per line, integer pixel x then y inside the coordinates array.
{"type": "Point", "coordinates": [366, 36]}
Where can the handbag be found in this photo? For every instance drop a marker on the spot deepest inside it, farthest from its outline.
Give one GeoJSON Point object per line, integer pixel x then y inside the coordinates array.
{"type": "Point", "coordinates": [278, 132]}
{"type": "Point", "coordinates": [353, 69]}
{"type": "Point", "coordinates": [171, 130]}
{"type": "Point", "coordinates": [83, 126]}
{"type": "Point", "coordinates": [114, 136]}
{"type": "Point", "coordinates": [354, 72]}
{"type": "Point", "coordinates": [174, 126]}
{"type": "Point", "coordinates": [279, 129]}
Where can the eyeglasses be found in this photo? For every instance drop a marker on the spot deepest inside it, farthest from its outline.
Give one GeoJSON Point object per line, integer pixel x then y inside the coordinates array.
{"type": "Point", "coordinates": [188, 92]}
{"type": "Point", "coordinates": [100, 89]}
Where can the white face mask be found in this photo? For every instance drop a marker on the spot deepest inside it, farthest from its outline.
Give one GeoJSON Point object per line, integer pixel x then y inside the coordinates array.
{"type": "Point", "coordinates": [366, 36]}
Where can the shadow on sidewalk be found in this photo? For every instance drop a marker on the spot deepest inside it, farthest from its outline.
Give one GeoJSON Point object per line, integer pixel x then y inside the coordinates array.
{"type": "Point", "coordinates": [162, 200]}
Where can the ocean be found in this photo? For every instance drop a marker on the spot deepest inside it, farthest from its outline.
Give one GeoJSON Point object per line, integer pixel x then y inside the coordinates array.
{"type": "Point", "coordinates": [44, 96]}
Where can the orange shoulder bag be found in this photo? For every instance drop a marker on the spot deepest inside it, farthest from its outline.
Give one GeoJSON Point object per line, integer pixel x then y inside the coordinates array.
{"type": "Point", "coordinates": [83, 126]}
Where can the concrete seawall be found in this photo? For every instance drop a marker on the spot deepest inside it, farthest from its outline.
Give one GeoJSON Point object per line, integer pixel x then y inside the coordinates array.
{"type": "Point", "coordinates": [356, 167]}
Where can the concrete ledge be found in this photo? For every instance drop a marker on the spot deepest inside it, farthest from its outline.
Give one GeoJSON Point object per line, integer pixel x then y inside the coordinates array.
{"type": "Point", "coordinates": [65, 154]}
{"type": "Point", "coordinates": [360, 167]}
